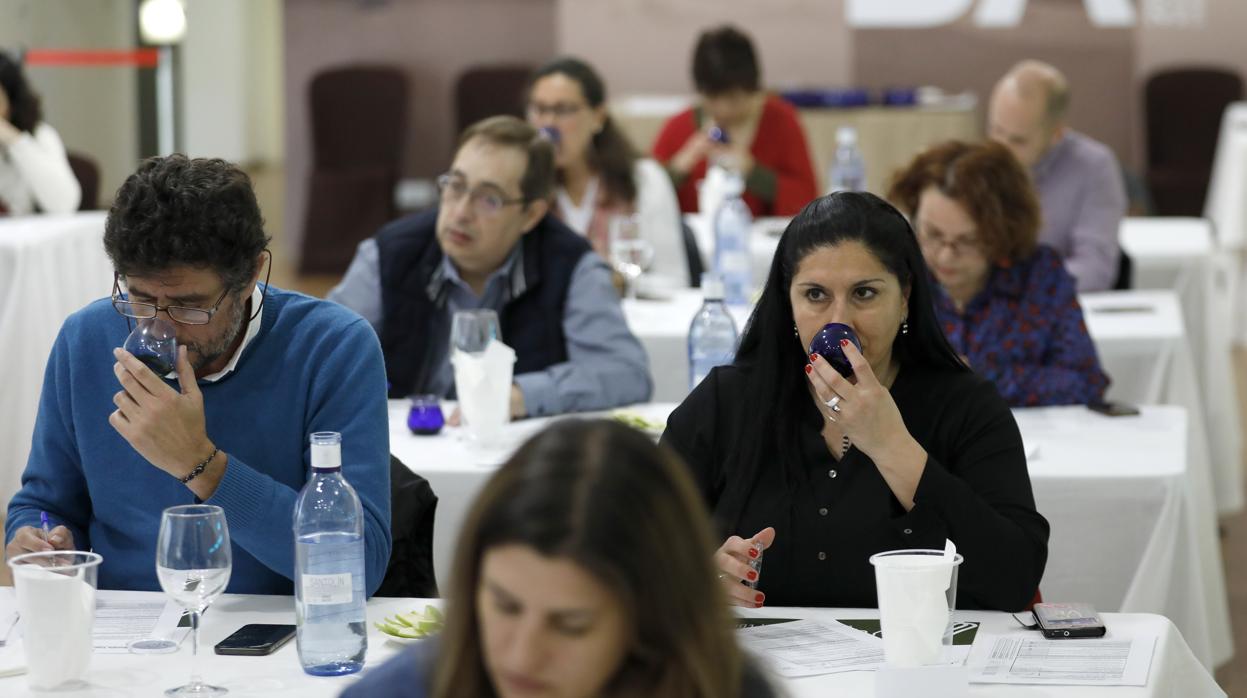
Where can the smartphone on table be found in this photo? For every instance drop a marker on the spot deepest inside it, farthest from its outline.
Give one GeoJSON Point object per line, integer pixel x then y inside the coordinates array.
{"type": "Point", "coordinates": [1114, 409]}
{"type": "Point", "coordinates": [256, 640]}
{"type": "Point", "coordinates": [1068, 620]}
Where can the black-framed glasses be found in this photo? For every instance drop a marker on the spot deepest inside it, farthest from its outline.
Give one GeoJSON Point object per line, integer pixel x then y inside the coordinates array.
{"type": "Point", "coordinates": [558, 110]}
{"type": "Point", "coordinates": [177, 313]}
{"type": "Point", "coordinates": [486, 201]}
{"type": "Point", "coordinates": [934, 243]}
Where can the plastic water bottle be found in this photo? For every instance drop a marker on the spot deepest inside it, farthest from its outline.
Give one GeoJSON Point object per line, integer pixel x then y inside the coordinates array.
{"type": "Point", "coordinates": [329, 566]}
{"type": "Point", "coordinates": [712, 334]}
{"type": "Point", "coordinates": [848, 169]}
{"type": "Point", "coordinates": [732, 225]}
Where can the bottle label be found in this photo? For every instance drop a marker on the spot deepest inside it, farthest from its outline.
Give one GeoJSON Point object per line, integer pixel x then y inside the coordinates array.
{"type": "Point", "coordinates": [327, 589]}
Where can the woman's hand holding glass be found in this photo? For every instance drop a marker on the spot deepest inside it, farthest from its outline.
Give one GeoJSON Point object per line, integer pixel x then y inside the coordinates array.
{"type": "Point", "coordinates": [868, 415]}
{"type": "Point", "coordinates": [732, 560]}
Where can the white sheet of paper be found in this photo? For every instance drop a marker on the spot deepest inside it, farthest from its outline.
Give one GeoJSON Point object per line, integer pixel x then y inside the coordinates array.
{"type": "Point", "coordinates": [1017, 659]}
{"type": "Point", "coordinates": [810, 648]}
{"type": "Point", "coordinates": [118, 622]}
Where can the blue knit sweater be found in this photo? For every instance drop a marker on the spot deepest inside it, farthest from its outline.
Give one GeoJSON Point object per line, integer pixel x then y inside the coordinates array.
{"type": "Point", "coordinates": [313, 366]}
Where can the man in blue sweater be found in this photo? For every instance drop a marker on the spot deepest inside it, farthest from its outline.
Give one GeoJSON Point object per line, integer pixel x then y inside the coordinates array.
{"type": "Point", "coordinates": [258, 370]}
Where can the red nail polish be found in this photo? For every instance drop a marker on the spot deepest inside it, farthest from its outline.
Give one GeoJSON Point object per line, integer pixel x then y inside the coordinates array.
{"type": "Point", "coordinates": [753, 552]}
{"type": "Point", "coordinates": [752, 575]}
{"type": "Point", "coordinates": [813, 357]}
{"type": "Point", "coordinates": [809, 369]}
{"type": "Point", "coordinates": [759, 598]}
{"type": "Point", "coordinates": [844, 342]}
{"type": "Point", "coordinates": [758, 605]}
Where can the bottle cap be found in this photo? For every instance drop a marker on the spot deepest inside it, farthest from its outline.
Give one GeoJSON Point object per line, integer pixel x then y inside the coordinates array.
{"type": "Point", "coordinates": [846, 135]}
{"type": "Point", "coordinates": [711, 286]}
{"type": "Point", "coordinates": [326, 450]}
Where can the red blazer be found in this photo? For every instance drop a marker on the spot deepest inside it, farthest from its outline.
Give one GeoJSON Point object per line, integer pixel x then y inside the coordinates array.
{"type": "Point", "coordinates": [779, 145]}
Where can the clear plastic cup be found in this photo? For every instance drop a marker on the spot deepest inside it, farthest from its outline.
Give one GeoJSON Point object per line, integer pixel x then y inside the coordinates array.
{"type": "Point", "coordinates": [917, 591]}
{"type": "Point", "coordinates": [56, 601]}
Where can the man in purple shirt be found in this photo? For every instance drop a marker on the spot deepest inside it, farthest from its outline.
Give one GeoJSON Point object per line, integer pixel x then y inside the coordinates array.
{"type": "Point", "coordinates": [1079, 183]}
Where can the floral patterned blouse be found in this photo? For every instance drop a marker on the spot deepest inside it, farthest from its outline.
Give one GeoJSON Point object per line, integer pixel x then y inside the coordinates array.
{"type": "Point", "coordinates": [1025, 332]}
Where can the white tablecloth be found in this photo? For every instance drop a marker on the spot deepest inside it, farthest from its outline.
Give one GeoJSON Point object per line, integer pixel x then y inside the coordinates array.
{"type": "Point", "coordinates": [1174, 671]}
{"type": "Point", "coordinates": [1128, 533]}
{"type": "Point", "coordinates": [1180, 254]}
{"type": "Point", "coordinates": [50, 266]}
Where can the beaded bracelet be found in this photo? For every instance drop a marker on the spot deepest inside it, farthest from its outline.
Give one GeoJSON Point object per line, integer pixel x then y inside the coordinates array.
{"type": "Point", "coordinates": [200, 467]}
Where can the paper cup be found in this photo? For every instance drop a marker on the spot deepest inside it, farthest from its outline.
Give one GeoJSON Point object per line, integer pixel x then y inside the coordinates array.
{"type": "Point", "coordinates": [917, 594]}
{"type": "Point", "coordinates": [56, 601]}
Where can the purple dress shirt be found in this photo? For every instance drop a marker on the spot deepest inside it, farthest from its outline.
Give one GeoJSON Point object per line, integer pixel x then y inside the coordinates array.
{"type": "Point", "coordinates": [1025, 332]}
{"type": "Point", "coordinates": [1083, 198]}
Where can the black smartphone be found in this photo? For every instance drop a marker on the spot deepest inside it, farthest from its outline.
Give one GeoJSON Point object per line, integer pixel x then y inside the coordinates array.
{"type": "Point", "coordinates": [255, 640]}
{"type": "Point", "coordinates": [1062, 620]}
{"type": "Point", "coordinates": [1114, 409]}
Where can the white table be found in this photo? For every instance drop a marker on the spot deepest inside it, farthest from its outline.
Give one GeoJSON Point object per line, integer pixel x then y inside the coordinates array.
{"type": "Point", "coordinates": [1180, 254]}
{"type": "Point", "coordinates": [1127, 530]}
{"type": "Point", "coordinates": [50, 266]}
{"type": "Point", "coordinates": [1128, 533]}
{"type": "Point", "coordinates": [1174, 670]}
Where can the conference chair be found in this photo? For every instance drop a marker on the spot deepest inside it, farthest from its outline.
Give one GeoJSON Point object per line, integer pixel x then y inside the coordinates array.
{"type": "Point", "coordinates": [1183, 109]}
{"type": "Point", "coordinates": [413, 505]}
{"type": "Point", "coordinates": [489, 90]}
{"type": "Point", "coordinates": [87, 172]}
{"type": "Point", "coordinates": [359, 120]}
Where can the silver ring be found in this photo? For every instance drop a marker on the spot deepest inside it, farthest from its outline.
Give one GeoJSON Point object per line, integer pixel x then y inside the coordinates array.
{"type": "Point", "coordinates": [833, 403]}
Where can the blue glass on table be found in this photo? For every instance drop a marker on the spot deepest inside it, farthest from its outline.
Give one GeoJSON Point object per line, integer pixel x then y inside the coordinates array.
{"type": "Point", "coordinates": [425, 417]}
{"type": "Point", "coordinates": [827, 345]}
{"type": "Point", "coordinates": [155, 343]}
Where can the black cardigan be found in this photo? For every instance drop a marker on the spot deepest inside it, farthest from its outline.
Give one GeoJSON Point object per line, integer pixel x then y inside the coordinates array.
{"type": "Point", "coordinates": [834, 515]}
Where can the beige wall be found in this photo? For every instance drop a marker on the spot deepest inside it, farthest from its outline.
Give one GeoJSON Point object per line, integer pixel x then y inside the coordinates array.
{"type": "Point", "coordinates": [94, 109]}
{"type": "Point", "coordinates": [433, 40]}
{"type": "Point", "coordinates": [1217, 41]}
{"type": "Point", "coordinates": [230, 71]}
{"type": "Point", "coordinates": [1098, 63]}
{"type": "Point", "coordinates": [647, 45]}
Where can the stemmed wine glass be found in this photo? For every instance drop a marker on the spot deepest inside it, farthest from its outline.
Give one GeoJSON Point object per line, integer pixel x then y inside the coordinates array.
{"type": "Point", "coordinates": [193, 564]}
{"type": "Point", "coordinates": [472, 330]}
{"type": "Point", "coordinates": [630, 253]}
{"type": "Point", "coordinates": [155, 343]}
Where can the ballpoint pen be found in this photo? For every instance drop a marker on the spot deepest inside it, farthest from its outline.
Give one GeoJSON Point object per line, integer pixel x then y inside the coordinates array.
{"type": "Point", "coordinates": [43, 522]}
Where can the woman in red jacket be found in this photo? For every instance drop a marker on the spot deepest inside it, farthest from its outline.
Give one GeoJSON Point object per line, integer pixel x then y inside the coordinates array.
{"type": "Point", "coordinates": [764, 140]}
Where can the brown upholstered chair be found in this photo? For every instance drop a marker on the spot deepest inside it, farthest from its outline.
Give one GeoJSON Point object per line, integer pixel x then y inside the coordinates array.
{"type": "Point", "coordinates": [358, 126]}
{"type": "Point", "coordinates": [87, 172]}
{"type": "Point", "coordinates": [489, 90]}
{"type": "Point", "coordinates": [1183, 110]}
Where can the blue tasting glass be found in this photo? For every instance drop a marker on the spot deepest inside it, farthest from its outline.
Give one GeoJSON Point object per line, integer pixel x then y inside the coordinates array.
{"type": "Point", "coordinates": [425, 417]}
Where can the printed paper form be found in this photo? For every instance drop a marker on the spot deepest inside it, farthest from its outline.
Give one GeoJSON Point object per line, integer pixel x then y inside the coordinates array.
{"type": "Point", "coordinates": [120, 621]}
{"type": "Point", "coordinates": [809, 648]}
{"type": "Point", "coordinates": [1016, 659]}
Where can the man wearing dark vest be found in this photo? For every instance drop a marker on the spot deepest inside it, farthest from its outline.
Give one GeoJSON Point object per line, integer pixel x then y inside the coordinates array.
{"type": "Point", "coordinates": [491, 244]}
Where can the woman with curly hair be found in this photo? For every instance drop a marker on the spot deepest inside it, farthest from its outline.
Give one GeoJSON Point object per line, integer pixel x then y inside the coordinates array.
{"type": "Point", "coordinates": [1006, 303]}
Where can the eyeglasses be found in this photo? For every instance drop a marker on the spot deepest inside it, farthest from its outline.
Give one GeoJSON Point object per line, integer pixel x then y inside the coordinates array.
{"type": "Point", "coordinates": [557, 110]}
{"type": "Point", "coordinates": [933, 243]}
{"type": "Point", "coordinates": [486, 201]}
{"type": "Point", "coordinates": [177, 313]}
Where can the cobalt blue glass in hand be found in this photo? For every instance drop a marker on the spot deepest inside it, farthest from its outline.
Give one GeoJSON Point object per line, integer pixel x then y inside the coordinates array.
{"type": "Point", "coordinates": [155, 343]}
{"type": "Point", "coordinates": [425, 417]}
{"type": "Point", "coordinates": [827, 345]}
{"type": "Point", "coordinates": [718, 135]}
{"type": "Point", "coordinates": [551, 134]}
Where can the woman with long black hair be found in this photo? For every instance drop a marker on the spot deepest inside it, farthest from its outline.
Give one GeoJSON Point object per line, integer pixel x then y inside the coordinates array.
{"type": "Point", "coordinates": [823, 471]}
